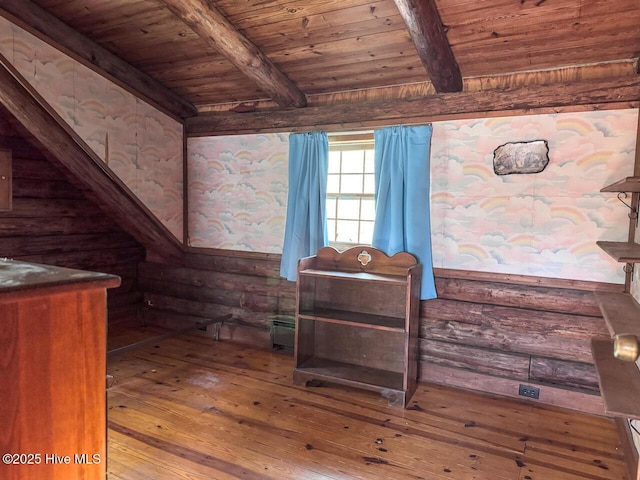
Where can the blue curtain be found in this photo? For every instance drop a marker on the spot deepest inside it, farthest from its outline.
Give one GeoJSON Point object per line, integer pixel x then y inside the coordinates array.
{"type": "Point", "coordinates": [402, 196]}
{"type": "Point", "coordinates": [306, 226]}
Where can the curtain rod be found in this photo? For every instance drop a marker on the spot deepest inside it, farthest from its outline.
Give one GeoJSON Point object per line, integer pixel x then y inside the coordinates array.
{"type": "Point", "coordinates": [363, 132]}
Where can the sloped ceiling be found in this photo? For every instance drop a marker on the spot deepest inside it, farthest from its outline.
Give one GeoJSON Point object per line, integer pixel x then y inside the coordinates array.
{"type": "Point", "coordinates": [252, 56]}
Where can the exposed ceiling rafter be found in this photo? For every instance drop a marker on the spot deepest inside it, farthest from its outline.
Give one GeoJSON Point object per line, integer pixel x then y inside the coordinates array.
{"type": "Point", "coordinates": [40, 22]}
{"type": "Point", "coordinates": [211, 25]}
{"type": "Point", "coordinates": [428, 34]}
{"type": "Point", "coordinates": [624, 92]}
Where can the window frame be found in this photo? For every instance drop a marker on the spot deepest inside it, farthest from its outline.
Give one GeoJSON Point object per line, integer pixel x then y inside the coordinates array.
{"type": "Point", "coordinates": [349, 142]}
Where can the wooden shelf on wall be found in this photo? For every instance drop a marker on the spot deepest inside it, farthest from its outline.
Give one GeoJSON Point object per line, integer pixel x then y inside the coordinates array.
{"type": "Point", "coordinates": [621, 312]}
{"type": "Point", "coordinates": [624, 252]}
{"type": "Point", "coordinates": [619, 381]}
{"type": "Point", "coordinates": [629, 184]}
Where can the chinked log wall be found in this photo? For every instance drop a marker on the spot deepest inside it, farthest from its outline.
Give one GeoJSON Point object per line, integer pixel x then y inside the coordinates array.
{"type": "Point", "coordinates": [53, 223]}
{"type": "Point", "coordinates": [485, 332]}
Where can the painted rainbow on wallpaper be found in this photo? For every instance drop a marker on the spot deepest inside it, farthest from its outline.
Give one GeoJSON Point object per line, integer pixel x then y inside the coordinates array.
{"type": "Point", "coordinates": [575, 124]}
{"type": "Point", "coordinates": [534, 224]}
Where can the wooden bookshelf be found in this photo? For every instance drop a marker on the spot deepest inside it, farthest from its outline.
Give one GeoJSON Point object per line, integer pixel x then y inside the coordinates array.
{"type": "Point", "coordinates": [357, 321]}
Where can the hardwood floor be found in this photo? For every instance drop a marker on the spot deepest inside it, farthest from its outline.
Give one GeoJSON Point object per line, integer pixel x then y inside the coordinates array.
{"type": "Point", "coordinates": [192, 408]}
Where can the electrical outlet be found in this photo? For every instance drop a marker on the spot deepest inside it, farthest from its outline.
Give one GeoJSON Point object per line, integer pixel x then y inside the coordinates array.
{"type": "Point", "coordinates": [529, 391]}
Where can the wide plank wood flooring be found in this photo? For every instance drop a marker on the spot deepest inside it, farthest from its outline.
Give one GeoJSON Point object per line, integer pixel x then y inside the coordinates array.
{"type": "Point", "coordinates": [192, 408]}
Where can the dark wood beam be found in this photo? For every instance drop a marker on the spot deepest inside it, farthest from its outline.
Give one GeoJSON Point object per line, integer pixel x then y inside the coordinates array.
{"type": "Point", "coordinates": [57, 33]}
{"type": "Point", "coordinates": [62, 145]}
{"type": "Point", "coordinates": [208, 22]}
{"type": "Point", "coordinates": [528, 99]}
{"type": "Point", "coordinates": [428, 34]}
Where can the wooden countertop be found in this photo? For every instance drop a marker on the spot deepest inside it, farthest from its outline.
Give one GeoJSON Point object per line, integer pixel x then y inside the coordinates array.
{"type": "Point", "coordinates": [17, 277]}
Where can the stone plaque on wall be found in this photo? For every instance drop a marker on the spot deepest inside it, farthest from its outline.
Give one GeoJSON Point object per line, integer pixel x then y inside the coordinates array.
{"type": "Point", "coordinates": [521, 157]}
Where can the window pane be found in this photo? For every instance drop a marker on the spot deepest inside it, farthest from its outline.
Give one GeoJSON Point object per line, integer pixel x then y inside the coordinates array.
{"type": "Point", "coordinates": [333, 183]}
{"type": "Point", "coordinates": [351, 184]}
{"type": "Point", "coordinates": [334, 162]}
{"type": "Point", "coordinates": [331, 228]}
{"type": "Point", "coordinates": [347, 231]}
{"type": "Point", "coordinates": [368, 161]}
{"type": "Point", "coordinates": [350, 203]}
{"type": "Point", "coordinates": [352, 161]}
{"type": "Point", "coordinates": [369, 184]}
{"type": "Point", "coordinates": [331, 207]}
{"type": "Point", "coordinates": [349, 208]}
{"type": "Point", "coordinates": [366, 232]}
{"type": "Point", "coordinates": [368, 209]}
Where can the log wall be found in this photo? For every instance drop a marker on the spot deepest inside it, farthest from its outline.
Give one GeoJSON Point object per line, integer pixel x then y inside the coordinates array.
{"type": "Point", "coordinates": [484, 332]}
{"type": "Point", "coordinates": [53, 223]}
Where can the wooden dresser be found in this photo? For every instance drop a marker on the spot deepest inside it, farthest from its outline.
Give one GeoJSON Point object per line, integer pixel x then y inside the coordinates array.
{"type": "Point", "coordinates": [52, 372]}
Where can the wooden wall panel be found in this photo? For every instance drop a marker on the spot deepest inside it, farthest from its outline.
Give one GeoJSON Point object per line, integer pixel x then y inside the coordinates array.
{"type": "Point", "coordinates": [571, 374]}
{"type": "Point", "coordinates": [514, 329]}
{"type": "Point", "coordinates": [250, 290]}
{"type": "Point", "coordinates": [564, 300]}
{"type": "Point", "coordinates": [52, 222]}
{"type": "Point", "coordinates": [483, 360]}
{"type": "Point", "coordinates": [519, 335]}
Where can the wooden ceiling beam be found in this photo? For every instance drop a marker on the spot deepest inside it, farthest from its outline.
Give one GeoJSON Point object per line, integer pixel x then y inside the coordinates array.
{"type": "Point", "coordinates": [429, 36]}
{"type": "Point", "coordinates": [66, 149]}
{"type": "Point", "coordinates": [525, 99]}
{"type": "Point", "coordinates": [57, 33]}
{"type": "Point", "coordinates": [208, 22]}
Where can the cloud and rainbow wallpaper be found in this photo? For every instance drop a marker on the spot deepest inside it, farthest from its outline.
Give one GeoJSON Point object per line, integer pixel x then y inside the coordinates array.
{"type": "Point", "coordinates": [238, 192]}
{"type": "Point", "coordinates": [543, 224]}
{"type": "Point", "coordinates": [140, 144]}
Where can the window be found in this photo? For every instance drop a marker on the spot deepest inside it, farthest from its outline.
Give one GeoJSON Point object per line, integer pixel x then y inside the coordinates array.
{"type": "Point", "coordinates": [350, 190]}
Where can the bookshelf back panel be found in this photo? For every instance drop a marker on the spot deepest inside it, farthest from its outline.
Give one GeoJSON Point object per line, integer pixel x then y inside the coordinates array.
{"type": "Point", "coordinates": [352, 296]}
{"type": "Point", "coordinates": [359, 346]}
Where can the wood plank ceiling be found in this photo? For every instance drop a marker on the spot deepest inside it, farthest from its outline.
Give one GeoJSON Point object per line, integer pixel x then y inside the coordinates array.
{"type": "Point", "coordinates": [230, 55]}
